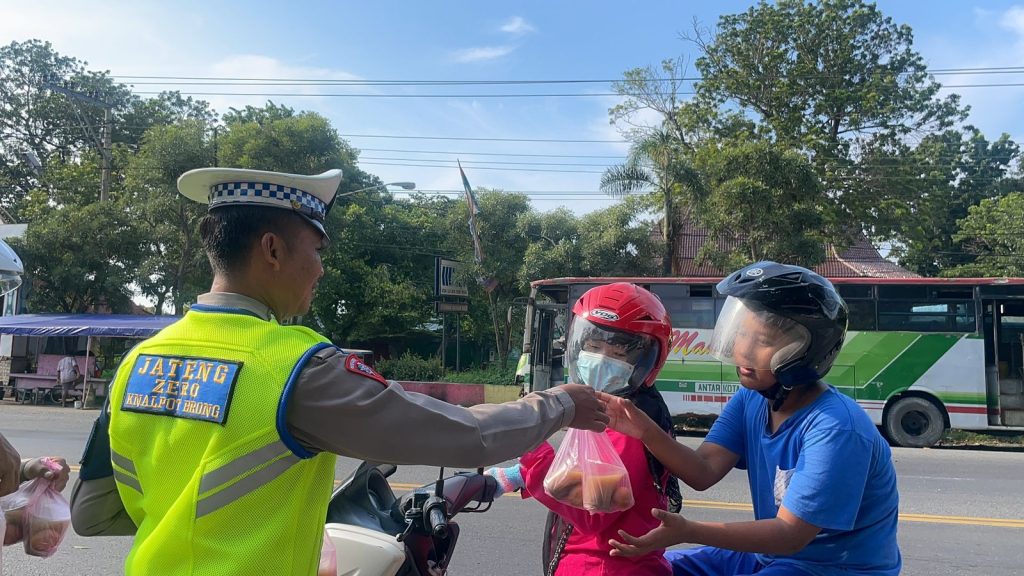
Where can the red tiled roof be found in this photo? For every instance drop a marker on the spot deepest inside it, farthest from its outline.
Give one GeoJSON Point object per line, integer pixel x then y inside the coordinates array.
{"type": "Point", "coordinates": [860, 260]}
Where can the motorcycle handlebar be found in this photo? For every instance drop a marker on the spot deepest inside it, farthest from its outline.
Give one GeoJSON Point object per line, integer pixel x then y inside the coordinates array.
{"type": "Point", "coordinates": [438, 523]}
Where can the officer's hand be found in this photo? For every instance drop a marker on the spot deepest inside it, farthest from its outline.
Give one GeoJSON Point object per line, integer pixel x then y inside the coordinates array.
{"type": "Point", "coordinates": [590, 410]}
{"type": "Point", "coordinates": [10, 467]}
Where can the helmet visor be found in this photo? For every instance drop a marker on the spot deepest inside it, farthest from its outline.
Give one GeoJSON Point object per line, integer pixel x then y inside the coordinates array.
{"type": "Point", "coordinates": [748, 337]}
{"type": "Point", "coordinates": [608, 360]}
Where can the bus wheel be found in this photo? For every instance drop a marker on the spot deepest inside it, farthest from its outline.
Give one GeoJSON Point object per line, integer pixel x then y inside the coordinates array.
{"type": "Point", "coordinates": [914, 422]}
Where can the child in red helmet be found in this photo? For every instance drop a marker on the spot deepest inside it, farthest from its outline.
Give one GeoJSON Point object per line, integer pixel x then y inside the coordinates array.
{"type": "Point", "coordinates": [617, 342]}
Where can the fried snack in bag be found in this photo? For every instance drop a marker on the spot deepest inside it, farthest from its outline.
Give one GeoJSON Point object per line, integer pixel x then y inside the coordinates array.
{"type": "Point", "coordinates": [588, 474]}
{"type": "Point", "coordinates": [47, 517]}
{"type": "Point", "coordinates": [14, 506]}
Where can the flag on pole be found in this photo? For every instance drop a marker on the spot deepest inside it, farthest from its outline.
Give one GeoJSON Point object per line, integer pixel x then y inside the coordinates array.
{"type": "Point", "coordinates": [489, 284]}
{"type": "Point", "coordinates": [474, 233]}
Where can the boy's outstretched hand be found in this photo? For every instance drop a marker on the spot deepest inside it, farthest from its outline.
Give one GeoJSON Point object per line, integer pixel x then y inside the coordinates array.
{"type": "Point", "coordinates": [671, 532]}
{"type": "Point", "coordinates": [625, 418]}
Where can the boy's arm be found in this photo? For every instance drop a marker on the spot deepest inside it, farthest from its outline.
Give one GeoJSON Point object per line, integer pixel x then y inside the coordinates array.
{"type": "Point", "coordinates": [700, 469]}
{"type": "Point", "coordinates": [785, 535]}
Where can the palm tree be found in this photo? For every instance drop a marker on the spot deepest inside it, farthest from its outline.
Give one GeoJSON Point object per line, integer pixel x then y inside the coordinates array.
{"type": "Point", "coordinates": [657, 164]}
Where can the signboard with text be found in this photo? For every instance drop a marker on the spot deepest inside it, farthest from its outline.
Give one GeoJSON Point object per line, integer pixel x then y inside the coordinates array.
{"type": "Point", "coordinates": [447, 281]}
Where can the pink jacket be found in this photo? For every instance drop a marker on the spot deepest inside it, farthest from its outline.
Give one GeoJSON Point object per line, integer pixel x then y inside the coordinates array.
{"type": "Point", "coordinates": [586, 551]}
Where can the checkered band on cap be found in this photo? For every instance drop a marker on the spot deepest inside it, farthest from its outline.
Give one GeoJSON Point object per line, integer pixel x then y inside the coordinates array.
{"type": "Point", "coordinates": [269, 195]}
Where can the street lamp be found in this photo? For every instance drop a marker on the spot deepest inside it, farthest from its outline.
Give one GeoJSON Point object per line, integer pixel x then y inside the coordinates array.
{"type": "Point", "coordinates": [402, 185]}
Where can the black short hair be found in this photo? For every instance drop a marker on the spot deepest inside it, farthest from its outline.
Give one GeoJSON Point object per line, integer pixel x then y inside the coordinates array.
{"type": "Point", "coordinates": [229, 233]}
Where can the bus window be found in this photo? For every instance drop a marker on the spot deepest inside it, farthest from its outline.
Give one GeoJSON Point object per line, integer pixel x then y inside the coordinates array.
{"type": "Point", "coordinates": [862, 314]}
{"type": "Point", "coordinates": [855, 291]}
{"type": "Point", "coordinates": [667, 292]}
{"type": "Point", "coordinates": [926, 316]}
{"type": "Point", "coordinates": [575, 291]}
{"type": "Point", "coordinates": [691, 312]}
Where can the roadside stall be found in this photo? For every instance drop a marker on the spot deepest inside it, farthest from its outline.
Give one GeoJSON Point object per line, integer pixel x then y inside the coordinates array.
{"type": "Point", "coordinates": [33, 344]}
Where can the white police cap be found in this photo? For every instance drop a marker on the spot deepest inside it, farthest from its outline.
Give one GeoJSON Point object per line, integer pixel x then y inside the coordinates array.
{"type": "Point", "coordinates": [309, 196]}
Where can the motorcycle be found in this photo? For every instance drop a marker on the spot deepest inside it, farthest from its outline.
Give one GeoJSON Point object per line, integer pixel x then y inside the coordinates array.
{"type": "Point", "coordinates": [374, 533]}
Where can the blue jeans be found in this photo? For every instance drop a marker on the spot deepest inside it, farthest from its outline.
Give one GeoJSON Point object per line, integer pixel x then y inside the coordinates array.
{"type": "Point", "coordinates": [708, 561]}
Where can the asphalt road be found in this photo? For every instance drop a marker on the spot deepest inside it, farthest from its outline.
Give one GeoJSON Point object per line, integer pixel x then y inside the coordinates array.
{"type": "Point", "coordinates": [961, 511]}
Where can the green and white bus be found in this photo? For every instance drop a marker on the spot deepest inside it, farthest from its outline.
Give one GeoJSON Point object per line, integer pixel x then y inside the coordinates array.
{"type": "Point", "coordinates": [921, 355]}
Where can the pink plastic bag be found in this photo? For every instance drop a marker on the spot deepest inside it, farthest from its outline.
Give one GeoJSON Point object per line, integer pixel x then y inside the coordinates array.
{"type": "Point", "coordinates": [328, 558]}
{"type": "Point", "coordinates": [38, 515]}
{"type": "Point", "coordinates": [587, 473]}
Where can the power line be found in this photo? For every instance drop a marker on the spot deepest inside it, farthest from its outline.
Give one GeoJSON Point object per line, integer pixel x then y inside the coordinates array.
{"type": "Point", "coordinates": [505, 95]}
{"type": "Point", "coordinates": [477, 139]}
{"type": "Point", "coordinates": [201, 80]}
{"type": "Point", "coordinates": [470, 162]}
{"type": "Point", "coordinates": [373, 95]}
{"type": "Point", "coordinates": [361, 149]}
{"type": "Point", "coordinates": [482, 168]}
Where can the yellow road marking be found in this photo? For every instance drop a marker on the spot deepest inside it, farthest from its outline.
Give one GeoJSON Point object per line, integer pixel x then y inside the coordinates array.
{"type": "Point", "coordinates": [712, 504]}
{"type": "Point", "coordinates": [925, 518]}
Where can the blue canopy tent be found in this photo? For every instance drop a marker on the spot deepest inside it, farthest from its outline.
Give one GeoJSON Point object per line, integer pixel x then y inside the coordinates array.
{"type": "Point", "coordinates": [123, 325]}
{"type": "Point", "coordinates": [89, 325]}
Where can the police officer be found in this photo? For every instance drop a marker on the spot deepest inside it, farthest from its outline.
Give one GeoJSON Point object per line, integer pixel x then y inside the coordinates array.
{"type": "Point", "coordinates": [223, 427]}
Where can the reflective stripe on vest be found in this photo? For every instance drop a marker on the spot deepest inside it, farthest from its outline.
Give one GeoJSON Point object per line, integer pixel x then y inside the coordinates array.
{"type": "Point", "coordinates": [124, 471]}
{"type": "Point", "coordinates": [252, 470]}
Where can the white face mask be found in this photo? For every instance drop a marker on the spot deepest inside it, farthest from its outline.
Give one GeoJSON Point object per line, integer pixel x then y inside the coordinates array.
{"type": "Point", "coordinates": [602, 373]}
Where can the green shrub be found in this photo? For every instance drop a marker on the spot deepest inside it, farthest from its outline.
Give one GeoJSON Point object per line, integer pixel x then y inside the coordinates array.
{"type": "Point", "coordinates": [493, 375]}
{"type": "Point", "coordinates": [411, 367]}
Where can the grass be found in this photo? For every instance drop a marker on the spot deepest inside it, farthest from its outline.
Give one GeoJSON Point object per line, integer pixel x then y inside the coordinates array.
{"type": "Point", "coordinates": [963, 438]}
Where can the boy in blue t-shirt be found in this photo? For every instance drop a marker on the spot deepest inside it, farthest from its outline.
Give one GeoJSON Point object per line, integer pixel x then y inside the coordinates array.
{"type": "Point", "coordinates": [821, 476]}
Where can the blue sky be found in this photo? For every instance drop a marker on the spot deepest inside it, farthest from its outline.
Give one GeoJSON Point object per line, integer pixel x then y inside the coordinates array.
{"type": "Point", "coordinates": [471, 41]}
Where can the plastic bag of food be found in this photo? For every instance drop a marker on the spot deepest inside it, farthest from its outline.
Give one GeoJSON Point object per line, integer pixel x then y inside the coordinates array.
{"type": "Point", "coordinates": [14, 506]}
{"type": "Point", "coordinates": [587, 473]}
{"type": "Point", "coordinates": [46, 518]}
{"type": "Point", "coordinates": [328, 558]}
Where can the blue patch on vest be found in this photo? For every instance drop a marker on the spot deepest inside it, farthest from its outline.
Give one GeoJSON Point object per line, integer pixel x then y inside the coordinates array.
{"type": "Point", "coordinates": [181, 386]}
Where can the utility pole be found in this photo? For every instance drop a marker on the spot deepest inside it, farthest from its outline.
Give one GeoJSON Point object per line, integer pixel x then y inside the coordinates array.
{"type": "Point", "coordinates": [104, 142]}
{"type": "Point", "coordinates": [107, 155]}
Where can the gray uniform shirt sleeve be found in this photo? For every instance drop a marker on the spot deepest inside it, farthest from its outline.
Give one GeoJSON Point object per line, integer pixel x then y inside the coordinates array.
{"type": "Point", "coordinates": [97, 510]}
{"type": "Point", "coordinates": [334, 410]}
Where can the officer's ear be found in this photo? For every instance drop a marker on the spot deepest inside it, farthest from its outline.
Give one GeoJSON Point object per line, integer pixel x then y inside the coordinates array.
{"type": "Point", "coordinates": [271, 249]}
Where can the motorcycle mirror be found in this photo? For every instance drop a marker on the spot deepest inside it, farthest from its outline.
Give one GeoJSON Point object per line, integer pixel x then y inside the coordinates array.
{"type": "Point", "coordinates": [387, 469]}
{"type": "Point", "coordinates": [439, 487]}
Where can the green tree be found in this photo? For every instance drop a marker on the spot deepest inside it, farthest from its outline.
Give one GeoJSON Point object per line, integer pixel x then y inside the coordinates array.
{"type": "Point", "coordinates": [928, 188]}
{"type": "Point", "coordinates": [816, 73]}
{"type": "Point", "coordinates": [608, 242]}
{"type": "Point", "coordinates": [658, 166]}
{"type": "Point", "coordinates": [994, 233]}
{"type": "Point", "coordinates": [378, 279]}
{"type": "Point", "coordinates": [173, 268]}
{"type": "Point", "coordinates": [504, 247]}
{"type": "Point", "coordinates": [38, 119]}
{"type": "Point", "coordinates": [763, 202]}
{"type": "Point", "coordinates": [830, 78]}
{"type": "Point", "coordinates": [78, 257]}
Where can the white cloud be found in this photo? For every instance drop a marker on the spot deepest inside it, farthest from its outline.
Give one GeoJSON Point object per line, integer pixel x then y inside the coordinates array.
{"type": "Point", "coordinates": [482, 53]}
{"type": "Point", "coordinates": [1013, 19]}
{"type": "Point", "coordinates": [518, 26]}
{"type": "Point", "coordinates": [259, 66]}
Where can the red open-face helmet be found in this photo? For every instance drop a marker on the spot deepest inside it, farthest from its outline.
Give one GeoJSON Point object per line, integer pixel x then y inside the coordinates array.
{"type": "Point", "coordinates": [625, 316]}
